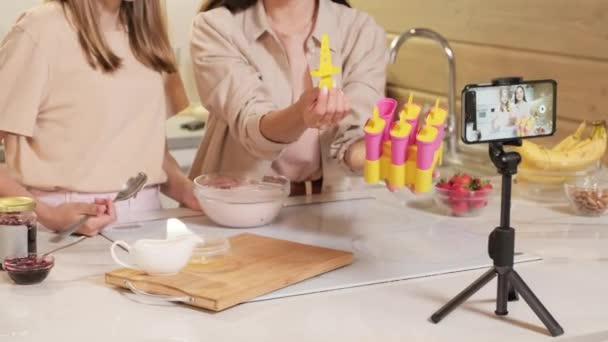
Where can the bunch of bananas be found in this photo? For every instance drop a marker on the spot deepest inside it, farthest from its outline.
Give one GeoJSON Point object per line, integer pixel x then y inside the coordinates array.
{"type": "Point", "coordinates": [572, 154]}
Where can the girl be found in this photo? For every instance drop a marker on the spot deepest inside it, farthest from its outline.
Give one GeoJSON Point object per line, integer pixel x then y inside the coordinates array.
{"type": "Point", "coordinates": [253, 60]}
{"type": "Point", "coordinates": [503, 121]}
{"type": "Point", "coordinates": [83, 108]}
{"type": "Point", "coordinates": [505, 100]}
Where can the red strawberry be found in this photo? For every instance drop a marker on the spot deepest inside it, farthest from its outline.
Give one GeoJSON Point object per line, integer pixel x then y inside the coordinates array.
{"type": "Point", "coordinates": [459, 208]}
{"type": "Point", "coordinates": [458, 192]}
{"type": "Point", "coordinates": [443, 185]}
{"type": "Point", "coordinates": [475, 184]}
{"type": "Point", "coordinates": [479, 199]}
{"type": "Point", "coordinates": [486, 187]}
{"type": "Point", "coordinates": [461, 179]}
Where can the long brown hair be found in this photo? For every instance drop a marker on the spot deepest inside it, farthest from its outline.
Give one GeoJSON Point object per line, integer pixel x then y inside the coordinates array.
{"type": "Point", "coordinates": [239, 5]}
{"type": "Point", "coordinates": [146, 27]}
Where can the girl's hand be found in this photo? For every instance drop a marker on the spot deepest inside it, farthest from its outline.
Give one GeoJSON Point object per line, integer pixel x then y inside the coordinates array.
{"type": "Point", "coordinates": [95, 225]}
{"type": "Point", "coordinates": [58, 218]}
{"type": "Point", "coordinates": [323, 107]}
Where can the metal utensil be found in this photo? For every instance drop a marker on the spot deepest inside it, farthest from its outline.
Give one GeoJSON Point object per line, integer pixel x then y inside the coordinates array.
{"type": "Point", "coordinates": [133, 186]}
{"type": "Point", "coordinates": [103, 235]}
{"type": "Point", "coordinates": [77, 241]}
{"type": "Point", "coordinates": [176, 299]}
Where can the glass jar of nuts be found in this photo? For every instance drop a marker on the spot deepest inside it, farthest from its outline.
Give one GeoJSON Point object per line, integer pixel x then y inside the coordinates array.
{"type": "Point", "coordinates": [589, 196]}
{"type": "Point", "coordinates": [17, 227]}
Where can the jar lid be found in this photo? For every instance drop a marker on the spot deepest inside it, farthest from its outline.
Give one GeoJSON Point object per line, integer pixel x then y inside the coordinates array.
{"type": "Point", "coordinates": [16, 204]}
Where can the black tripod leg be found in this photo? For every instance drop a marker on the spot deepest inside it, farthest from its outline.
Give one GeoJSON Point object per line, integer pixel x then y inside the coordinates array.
{"type": "Point", "coordinates": [502, 294]}
{"type": "Point", "coordinates": [513, 296]}
{"type": "Point", "coordinates": [539, 309]}
{"type": "Point", "coordinates": [463, 296]}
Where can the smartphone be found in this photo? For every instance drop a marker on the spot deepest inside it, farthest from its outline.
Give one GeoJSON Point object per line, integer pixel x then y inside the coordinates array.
{"type": "Point", "coordinates": [495, 113]}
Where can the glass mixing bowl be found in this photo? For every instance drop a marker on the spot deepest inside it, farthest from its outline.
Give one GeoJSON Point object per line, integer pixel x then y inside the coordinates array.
{"type": "Point", "coordinates": [241, 201]}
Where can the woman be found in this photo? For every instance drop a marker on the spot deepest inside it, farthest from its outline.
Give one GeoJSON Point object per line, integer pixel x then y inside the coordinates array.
{"type": "Point", "coordinates": [522, 117]}
{"type": "Point", "coordinates": [253, 60]}
{"type": "Point", "coordinates": [521, 105]}
{"type": "Point", "coordinates": [83, 108]}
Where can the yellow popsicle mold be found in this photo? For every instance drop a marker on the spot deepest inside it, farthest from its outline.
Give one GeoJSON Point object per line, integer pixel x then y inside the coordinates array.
{"type": "Point", "coordinates": [386, 148]}
{"type": "Point", "coordinates": [401, 129]}
{"type": "Point", "coordinates": [437, 116]}
{"type": "Point", "coordinates": [410, 111]}
{"type": "Point", "coordinates": [326, 69]}
{"type": "Point", "coordinates": [376, 124]}
{"type": "Point", "coordinates": [396, 177]}
{"type": "Point", "coordinates": [385, 160]}
{"type": "Point", "coordinates": [410, 165]}
{"type": "Point", "coordinates": [424, 180]}
{"type": "Point", "coordinates": [427, 134]}
{"type": "Point", "coordinates": [372, 171]}
{"type": "Point", "coordinates": [385, 166]}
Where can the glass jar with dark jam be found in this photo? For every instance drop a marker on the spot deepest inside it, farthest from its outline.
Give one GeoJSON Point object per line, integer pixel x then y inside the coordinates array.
{"type": "Point", "coordinates": [18, 225]}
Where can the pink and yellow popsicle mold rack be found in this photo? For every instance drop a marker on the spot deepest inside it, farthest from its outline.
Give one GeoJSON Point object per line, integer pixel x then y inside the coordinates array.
{"type": "Point", "coordinates": [404, 152]}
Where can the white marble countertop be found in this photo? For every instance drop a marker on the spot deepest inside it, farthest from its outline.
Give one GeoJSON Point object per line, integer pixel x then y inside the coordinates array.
{"type": "Point", "coordinates": [75, 305]}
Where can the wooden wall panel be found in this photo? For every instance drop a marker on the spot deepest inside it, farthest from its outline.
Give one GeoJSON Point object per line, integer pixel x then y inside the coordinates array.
{"type": "Point", "coordinates": [560, 39]}
{"type": "Point", "coordinates": [582, 91]}
{"type": "Point", "coordinates": [565, 27]}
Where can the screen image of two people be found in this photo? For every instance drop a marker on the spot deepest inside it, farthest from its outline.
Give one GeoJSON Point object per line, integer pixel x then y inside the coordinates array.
{"type": "Point", "coordinates": [523, 110]}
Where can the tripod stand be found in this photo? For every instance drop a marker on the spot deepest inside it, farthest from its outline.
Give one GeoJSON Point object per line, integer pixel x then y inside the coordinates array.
{"type": "Point", "coordinates": [501, 247]}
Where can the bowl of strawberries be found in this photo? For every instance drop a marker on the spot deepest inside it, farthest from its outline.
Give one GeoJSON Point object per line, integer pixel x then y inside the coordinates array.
{"type": "Point", "coordinates": [463, 195]}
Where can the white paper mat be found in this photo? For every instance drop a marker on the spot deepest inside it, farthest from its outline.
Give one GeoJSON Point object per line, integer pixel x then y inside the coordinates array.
{"type": "Point", "coordinates": [327, 198]}
{"type": "Point", "coordinates": [389, 243]}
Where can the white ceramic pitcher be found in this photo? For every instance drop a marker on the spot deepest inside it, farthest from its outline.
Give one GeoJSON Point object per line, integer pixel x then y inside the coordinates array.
{"type": "Point", "coordinates": [157, 257]}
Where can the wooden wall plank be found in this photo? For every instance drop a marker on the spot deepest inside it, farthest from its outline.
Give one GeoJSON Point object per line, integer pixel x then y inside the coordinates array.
{"type": "Point", "coordinates": [565, 27]}
{"type": "Point", "coordinates": [582, 83]}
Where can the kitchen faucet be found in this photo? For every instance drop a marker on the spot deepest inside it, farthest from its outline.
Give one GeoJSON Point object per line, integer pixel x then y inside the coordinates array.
{"type": "Point", "coordinates": [451, 138]}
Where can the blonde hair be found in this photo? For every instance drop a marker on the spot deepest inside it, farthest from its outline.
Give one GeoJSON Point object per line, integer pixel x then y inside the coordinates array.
{"type": "Point", "coordinates": [505, 107]}
{"type": "Point", "coordinates": [146, 27]}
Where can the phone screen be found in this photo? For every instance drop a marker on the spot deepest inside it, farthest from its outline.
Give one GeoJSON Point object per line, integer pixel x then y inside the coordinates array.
{"type": "Point", "coordinates": [507, 112]}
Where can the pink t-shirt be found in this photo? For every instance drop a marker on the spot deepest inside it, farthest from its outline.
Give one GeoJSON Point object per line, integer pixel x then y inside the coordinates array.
{"type": "Point", "coordinates": [300, 161]}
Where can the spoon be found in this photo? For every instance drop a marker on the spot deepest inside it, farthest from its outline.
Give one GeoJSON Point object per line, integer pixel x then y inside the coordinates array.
{"type": "Point", "coordinates": [134, 185]}
{"type": "Point", "coordinates": [80, 239]}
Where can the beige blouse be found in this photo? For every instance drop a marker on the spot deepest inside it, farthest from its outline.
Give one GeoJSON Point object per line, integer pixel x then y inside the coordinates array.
{"type": "Point", "coordinates": [243, 73]}
{"type": "Point", "coordinates": [74, 128]}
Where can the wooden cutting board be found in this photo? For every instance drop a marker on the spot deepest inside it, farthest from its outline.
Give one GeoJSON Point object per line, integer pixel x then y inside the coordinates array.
{"type": "Point", "coordinates": [257, 265]}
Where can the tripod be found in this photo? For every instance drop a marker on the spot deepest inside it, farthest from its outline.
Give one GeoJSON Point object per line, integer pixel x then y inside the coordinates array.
{"type": "Point", "coordinates": [501, 247]}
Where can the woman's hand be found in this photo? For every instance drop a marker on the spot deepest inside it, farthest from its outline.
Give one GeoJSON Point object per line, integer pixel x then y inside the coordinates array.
{"type": "Point", "coordinates": [187, 197]}
{"type": "Point", "coordinates": [316, 108]}
{"type": "Point", "coordinates": [323, 107]}
{"type": "Point", "coordinates": [102, 213]}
